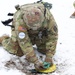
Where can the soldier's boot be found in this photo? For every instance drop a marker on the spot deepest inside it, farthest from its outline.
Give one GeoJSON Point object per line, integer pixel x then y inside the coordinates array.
{"type": "Point", "coordinates": [73, 15]}
{"type": "Point", "coordinates": [3, 37]}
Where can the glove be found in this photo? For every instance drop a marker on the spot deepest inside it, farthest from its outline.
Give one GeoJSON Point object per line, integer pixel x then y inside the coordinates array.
{"type": "Point", "coordinates": [42, 66]}
{"type": "Point", "coordinates": [49, 60]}
{"type": "Point", "coordinates": [39, 66]}
{"type": "Point", "coordinates": [46, 65]}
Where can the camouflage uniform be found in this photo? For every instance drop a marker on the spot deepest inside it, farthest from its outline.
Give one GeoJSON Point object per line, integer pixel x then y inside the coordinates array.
{"type": "Point", "coordinates": [34, 24]}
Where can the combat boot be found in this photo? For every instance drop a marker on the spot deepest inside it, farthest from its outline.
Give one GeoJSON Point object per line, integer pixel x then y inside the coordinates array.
{"type": "Point", "coordinates": [3, 37]}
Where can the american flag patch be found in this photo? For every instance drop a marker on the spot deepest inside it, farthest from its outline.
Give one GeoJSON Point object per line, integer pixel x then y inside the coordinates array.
{"type": "Point", "coordinates": [20, 28]}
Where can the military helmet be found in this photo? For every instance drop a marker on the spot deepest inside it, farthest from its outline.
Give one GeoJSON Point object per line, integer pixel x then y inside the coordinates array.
{"type": "Point", "coordinates": [33, 17]}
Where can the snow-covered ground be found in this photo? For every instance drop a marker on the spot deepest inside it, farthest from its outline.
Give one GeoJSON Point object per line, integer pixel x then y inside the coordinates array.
{"type": "Point", "coordinates": [65, 54]}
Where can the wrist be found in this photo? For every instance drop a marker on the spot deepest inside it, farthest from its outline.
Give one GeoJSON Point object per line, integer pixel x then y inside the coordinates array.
{"type": "Point", "coordinates": [49, 60]}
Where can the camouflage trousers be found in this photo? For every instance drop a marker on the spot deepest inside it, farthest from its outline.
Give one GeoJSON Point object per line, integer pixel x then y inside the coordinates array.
{"type": "Point", "coordinates": [12, 47]}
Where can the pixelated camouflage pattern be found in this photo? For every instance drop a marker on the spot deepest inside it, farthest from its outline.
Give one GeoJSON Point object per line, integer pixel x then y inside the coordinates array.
{"type": "Point", "coordinates": [46, 44]}
{"type": "Point", "coordinates": [3, 37]}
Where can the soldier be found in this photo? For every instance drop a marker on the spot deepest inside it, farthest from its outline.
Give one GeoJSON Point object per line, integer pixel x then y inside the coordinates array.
{"type": "Point", "coordinates": [32, 24]}
{"type": "Point", "coordinates": [73, 15]}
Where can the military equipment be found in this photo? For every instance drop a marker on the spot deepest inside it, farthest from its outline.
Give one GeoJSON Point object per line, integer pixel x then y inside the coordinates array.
{"type": "Point", "coordinates": [6, 22]}
{"type": "Point", "coordinates": [48, 5]}
{"type": "Point", "coordinates": [17, 7]}
{"type": "Point", "coordinates": [46, 71]}
{"type": "Point", "coordinates": [10, 14]}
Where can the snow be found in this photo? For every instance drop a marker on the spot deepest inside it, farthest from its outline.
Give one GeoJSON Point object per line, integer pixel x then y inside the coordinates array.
{"type": "Point", "coordinates": [64, 57]}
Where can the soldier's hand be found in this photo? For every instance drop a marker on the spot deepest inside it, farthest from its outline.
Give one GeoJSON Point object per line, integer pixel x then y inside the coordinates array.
{"type": "Point", "coordinates": [46, 65]}
{"type": "Point", "coordinates": [39, 66]}
{"type": "Point", "coordinates": [49, 60]}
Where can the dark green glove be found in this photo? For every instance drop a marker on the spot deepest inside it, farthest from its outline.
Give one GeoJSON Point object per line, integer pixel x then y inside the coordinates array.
{"type": "Point", "coordinates": [46, 65]}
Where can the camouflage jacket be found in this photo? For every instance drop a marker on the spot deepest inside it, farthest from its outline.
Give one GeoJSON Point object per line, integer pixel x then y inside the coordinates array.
{"type": "Point", "coordinates": [21, 31]}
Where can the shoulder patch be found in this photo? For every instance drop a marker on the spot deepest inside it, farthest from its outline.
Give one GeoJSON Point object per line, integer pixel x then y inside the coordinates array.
{"type": "Point", "coordinates": [20, 28]}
